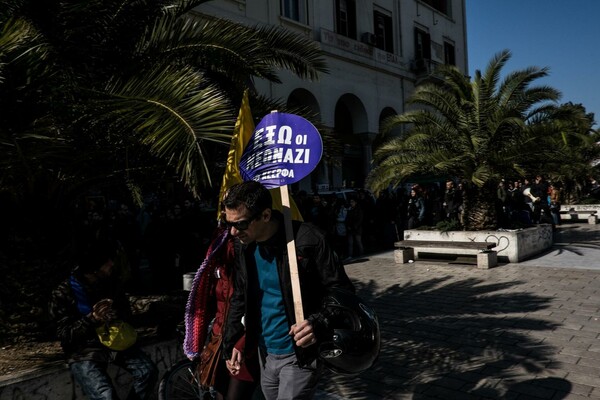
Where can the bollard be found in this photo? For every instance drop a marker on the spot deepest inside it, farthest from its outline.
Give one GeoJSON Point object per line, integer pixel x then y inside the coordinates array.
{"type": "Point", "coordinates": [487, 259]}
{"type": "Point", "coordinates": [188, 278]}
{"type": "Point", "coordinates": [404, 255]}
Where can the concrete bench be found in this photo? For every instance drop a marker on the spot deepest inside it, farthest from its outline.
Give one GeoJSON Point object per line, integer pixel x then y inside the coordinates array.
{"type": "Point", "coordinates": [580, 212]}
{"type": "Point", "coordinates": [486, 257]}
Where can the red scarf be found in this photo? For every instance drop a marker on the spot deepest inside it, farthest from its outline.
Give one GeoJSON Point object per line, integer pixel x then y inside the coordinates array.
{"type": "Point", "coordinates": [197, 319]}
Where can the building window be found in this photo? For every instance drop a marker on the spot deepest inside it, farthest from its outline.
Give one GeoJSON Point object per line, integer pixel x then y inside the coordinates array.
{"type": "Point", "coordinates": [422, 45]}
{"type": "Point", "coordinates": [442, 6]}
{"type": "Point", "coordinates": [345, 18]}
{"type": "Point", "coordinates": [383, 31]}
{"type": "Point", "coordinates": [295, 9]}
{"type": "Point", "coordinates": [449, 54]}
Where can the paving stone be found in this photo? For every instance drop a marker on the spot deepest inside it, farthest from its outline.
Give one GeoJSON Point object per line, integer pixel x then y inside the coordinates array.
{"type": "Point", "coordinates": [595, 393]}
{"type": "Point", "coordinates": [590, 362]}
{"type": "Point", "coordinates": [584, 379]}
{"type": "Point", "coordinates": [581, 352]}
{"type": "Point", "coordinates": [565, 358]}
{"type": "Point", "coordinates": [571, 396]}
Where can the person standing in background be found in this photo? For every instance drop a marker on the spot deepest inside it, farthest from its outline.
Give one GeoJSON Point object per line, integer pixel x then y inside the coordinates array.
{"type": "Point", "coordinates": [354, 230]}
{"type": "Point", "coordinates": [340, 213]}
{"type": "Point", "coordinates": [451, 203]}
{"type": "Point", "coordinates": [555, 203]}
{"type": "Point", "coordinates": [415, 209]}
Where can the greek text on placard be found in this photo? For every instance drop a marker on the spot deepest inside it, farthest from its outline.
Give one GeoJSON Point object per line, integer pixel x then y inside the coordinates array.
{"type": "Point", "coordinates": [270, 136]}
{"type": "Point", "coordinates": [275, 174]}
{"type": "Point", "coordinates": [282, 136]}
{"type": "Point", "coordinates": [278, 155]}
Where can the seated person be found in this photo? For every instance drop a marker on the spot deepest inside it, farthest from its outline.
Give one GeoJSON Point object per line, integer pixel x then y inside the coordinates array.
{"type": "Point", "coordinates": [88, 299]}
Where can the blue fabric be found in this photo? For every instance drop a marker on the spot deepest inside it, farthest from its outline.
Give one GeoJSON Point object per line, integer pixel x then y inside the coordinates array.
{"type": "Point", "coordinates": [275, 329]}
{"type": "Point", "coordinates": [83, 302]}
{"type": "Point", "coordinates": [93, 379]}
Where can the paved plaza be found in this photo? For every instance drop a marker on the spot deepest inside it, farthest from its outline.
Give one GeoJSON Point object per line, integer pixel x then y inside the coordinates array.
{"type": "Point", "coordinates": [451, 331]}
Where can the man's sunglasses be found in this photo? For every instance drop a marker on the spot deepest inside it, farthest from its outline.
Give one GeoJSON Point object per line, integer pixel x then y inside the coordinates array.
{"type": "Point", "coordinates": [240, 225]}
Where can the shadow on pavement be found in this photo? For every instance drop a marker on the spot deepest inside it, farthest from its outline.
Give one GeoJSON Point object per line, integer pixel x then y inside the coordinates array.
{"type": "Point", "coordinates": [446, 340]}
{"type": "Point", "coordinates": [539, 388]}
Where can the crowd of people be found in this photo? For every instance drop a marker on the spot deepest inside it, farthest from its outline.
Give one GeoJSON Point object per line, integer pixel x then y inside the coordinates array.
{"type": "Point", "coordinates": [169, 238]}
{"type": "Point", "coordinates": [529, 201]}
{"type": "Point", "coordinates": [362, 221]}
{"type": "Point", "coordinates": [346, 221]}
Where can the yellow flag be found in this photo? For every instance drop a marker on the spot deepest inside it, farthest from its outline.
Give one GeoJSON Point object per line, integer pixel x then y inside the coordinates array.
{"type": "Point", "coordinates": [244, 128]}
{"type": "Point", "coordinates": [242, 133]}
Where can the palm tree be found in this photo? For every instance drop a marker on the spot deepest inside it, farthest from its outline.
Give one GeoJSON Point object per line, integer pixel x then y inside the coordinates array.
{"type": "Point", "coordinates": [130, 87]}
{"type": "Point", "coordinates": [112, 93]}
{"type": "Point", "coordinates": [479, 131]}
{"type": "Point", "coordinates": [578, 145]}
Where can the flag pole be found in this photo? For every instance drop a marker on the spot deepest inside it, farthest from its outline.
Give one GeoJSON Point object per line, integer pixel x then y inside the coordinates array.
{"type": "Point", "coordinates": [292, 259]}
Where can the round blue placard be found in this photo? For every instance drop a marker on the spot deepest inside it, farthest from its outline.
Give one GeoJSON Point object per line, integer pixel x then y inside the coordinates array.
{"type": "Point", "coordinates": [284, 148]}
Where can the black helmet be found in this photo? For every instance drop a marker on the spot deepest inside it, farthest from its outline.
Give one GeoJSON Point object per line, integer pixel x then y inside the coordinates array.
{"type": "Point", "coordinates": [354, 342]}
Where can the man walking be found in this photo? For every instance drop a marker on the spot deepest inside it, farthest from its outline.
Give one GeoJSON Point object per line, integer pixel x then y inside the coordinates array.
{"type": "Point", "coordinates": [263, 294]}
{"type": "Point", "coordinates": [451, 202]}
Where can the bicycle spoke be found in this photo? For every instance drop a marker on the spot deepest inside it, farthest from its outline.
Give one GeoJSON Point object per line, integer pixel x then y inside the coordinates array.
{"type": "Point", "coordinates": [183, 385]}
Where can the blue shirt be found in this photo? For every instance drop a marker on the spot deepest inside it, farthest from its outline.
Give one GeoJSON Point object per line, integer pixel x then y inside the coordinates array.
{"type": "Point", "coordinates": [275, 329]}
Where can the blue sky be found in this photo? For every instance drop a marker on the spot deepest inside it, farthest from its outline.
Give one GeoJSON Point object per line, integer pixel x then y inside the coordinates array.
{"type": "Point", "coordinates": [563, 35]}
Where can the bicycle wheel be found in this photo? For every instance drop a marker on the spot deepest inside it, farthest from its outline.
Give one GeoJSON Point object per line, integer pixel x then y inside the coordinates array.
{"type": "Point", "coordinates": [180, 383]}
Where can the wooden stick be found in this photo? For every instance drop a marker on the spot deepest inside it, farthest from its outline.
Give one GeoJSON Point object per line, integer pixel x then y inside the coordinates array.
{"type": "Point", "coordinates": [291, 247]}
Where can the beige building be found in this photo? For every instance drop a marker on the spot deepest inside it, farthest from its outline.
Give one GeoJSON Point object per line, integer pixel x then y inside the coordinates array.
{"type": "Point", "coordinates": [376, 52]}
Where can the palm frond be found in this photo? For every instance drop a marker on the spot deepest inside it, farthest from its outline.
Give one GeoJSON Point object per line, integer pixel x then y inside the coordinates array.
{"type": "Point", "coordinates": [233, 49]}
{"type": "Point", "coordinates": [489, 81]}
{"type": "Point", "coordinates": [293, 52]}
{"type": "Point", "coordinates": [173, 112]}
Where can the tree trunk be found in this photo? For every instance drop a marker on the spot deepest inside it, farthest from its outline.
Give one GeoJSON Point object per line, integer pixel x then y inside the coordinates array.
{"type": "Point", "coordinates": [480, 209]}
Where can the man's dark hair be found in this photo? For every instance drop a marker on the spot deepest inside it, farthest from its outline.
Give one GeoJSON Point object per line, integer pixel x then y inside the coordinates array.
{"type": "Point", "coordinates": [251, 194]}
{"type": "Point", "coordinates": [94, 254]}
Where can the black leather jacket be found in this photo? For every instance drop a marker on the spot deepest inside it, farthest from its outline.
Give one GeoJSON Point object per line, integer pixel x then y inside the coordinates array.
{"type": "Point", "coordinates": [319, 269]}
{"type": "Point", "coordinates": [76, 332]}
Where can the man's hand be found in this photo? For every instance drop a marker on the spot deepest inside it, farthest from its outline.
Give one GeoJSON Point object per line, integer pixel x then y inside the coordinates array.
{"type": "Point", "coordinates": [103, 311]}
{"type": "Point", "coordinates": [303, 334]}
{"type": "Point", "coordinates": [235, 363]}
